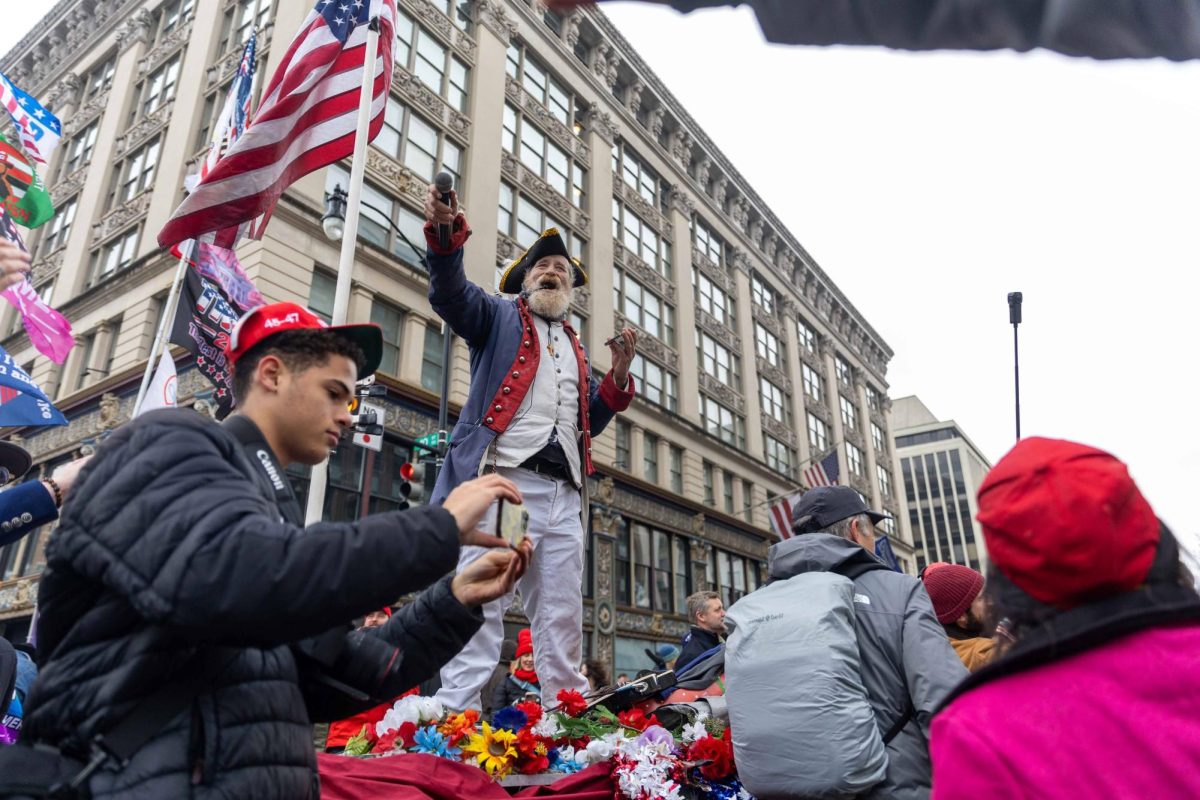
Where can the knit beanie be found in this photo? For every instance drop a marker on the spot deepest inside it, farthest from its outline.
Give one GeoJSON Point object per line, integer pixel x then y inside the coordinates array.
{"type": "Point", "coordinates": [952, 588]}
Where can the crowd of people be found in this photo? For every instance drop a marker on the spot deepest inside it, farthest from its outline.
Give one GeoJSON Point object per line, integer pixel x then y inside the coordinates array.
{"type": "Point", "coordinates": [191, 630]}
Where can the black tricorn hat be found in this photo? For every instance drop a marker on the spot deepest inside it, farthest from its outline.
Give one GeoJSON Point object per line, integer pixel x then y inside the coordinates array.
{"type": "Point", "coordinates": [15, 461]}
{"type": "Point", "coordinates": [550, 243]}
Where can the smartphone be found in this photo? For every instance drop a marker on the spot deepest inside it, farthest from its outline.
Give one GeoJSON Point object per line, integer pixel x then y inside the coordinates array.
{"type": "Point", "coordinates": [512, 522]}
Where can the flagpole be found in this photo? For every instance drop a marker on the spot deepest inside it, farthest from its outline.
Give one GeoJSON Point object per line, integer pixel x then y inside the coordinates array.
{"type": "Point", "coordinates": [341, 295]}
{"type": "Point", "coordinates": [160, 335]}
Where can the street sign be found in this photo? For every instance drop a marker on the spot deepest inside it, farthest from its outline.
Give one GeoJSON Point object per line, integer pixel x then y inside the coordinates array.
{"type": "Point", "coordinates": [429, 442]}
{"type": "Point", "coordinates": [371, 441]}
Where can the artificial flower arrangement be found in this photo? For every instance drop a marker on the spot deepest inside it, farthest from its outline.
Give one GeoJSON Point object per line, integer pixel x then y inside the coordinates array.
{"type": "Point", "coordinates": [649, 762]}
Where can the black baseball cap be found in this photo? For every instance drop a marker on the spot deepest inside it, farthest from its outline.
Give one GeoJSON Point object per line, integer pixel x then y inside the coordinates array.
{"type": "Point", "coordinates": [819, 508]}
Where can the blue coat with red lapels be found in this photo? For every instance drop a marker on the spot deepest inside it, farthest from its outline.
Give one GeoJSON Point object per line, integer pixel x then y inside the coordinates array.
{"type": "Point", "coordinates": [504, 350]}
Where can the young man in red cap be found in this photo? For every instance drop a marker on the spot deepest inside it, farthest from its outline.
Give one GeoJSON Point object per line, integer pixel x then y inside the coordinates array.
{"type": "Point", "coordinates": [1099, 696]}
{"type": "Point", "coordinates": [957, 595]}
{"type": "Point", "coordinates": [532, 410]}
{"type": "Point", "coordinates": [182, 559]}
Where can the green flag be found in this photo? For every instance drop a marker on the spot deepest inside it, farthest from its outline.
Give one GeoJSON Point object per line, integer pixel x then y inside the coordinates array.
{"type": "Point", "coordinates": [21, 190]}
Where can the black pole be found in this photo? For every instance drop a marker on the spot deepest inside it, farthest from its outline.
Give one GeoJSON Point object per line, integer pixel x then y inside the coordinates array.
{"type": "Point", "coordinates": [444, 400]}
{"type": "Point", "coordinates": [1014, 317]}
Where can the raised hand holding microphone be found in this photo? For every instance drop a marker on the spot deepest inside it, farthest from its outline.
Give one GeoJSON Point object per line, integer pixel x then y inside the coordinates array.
{"type": "Point", "coordinates": [444, 182]}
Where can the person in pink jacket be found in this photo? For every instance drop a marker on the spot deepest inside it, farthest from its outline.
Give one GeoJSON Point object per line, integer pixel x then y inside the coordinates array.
{"type": "Point", "coordinates": [1099, 696]}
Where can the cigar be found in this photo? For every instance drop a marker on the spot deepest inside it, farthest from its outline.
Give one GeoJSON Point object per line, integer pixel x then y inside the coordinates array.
{"type": "Point", "coordinates": [614, 340]}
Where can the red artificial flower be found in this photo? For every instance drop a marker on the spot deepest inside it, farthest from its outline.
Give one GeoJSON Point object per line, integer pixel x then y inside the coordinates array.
{"type": "Point", "coordinates": [532, 712]}
{"type": "Point", "coordinates": [636, 718]}
{"type": "Point", "coordinates": [532, 753]}
{"type": "Point", "coordinates": [572, 702]}
{"type": "Point", "coordinates": [402, 738]}
{"type": "Point", "coordinates": [717, 752]}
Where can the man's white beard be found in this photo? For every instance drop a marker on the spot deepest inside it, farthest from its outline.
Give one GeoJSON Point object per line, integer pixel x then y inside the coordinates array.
{"type": "Point", "coordinates": [551, 304]}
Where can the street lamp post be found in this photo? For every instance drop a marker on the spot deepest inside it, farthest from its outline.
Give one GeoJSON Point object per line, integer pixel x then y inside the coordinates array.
{"type": "Point", "coordinates": [333, 223]}
{"type": "Point", "coordinates": [1014, 317]}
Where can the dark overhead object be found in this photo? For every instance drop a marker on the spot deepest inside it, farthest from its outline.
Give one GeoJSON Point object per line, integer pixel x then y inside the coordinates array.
{"type": "Point", "coordinates": [1093, 28]}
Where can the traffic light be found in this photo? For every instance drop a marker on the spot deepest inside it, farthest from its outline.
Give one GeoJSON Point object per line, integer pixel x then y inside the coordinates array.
{"type": "Point", "coordinates": [412, 484]}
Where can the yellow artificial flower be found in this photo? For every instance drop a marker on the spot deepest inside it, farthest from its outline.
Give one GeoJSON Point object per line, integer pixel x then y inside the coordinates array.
{"type": "Point", "coordinates": [493, 749]}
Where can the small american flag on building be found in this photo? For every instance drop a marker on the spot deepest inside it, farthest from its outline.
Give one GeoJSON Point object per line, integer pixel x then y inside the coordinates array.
{"type": "Point", "coordinates": [822, 473]}
{"type": "Point", "coordinates": [780, 512]}
{"type": "Point", "coordinates": [306, 120]}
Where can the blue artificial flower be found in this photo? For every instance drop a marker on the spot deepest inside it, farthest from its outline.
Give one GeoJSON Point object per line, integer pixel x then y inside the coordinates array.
{"type": "Point", "coordinates": [560, 764]}
{"type": "Point", "coordinates": [428, 740]}
{"type": "Point", "coordinates": [510, 718]}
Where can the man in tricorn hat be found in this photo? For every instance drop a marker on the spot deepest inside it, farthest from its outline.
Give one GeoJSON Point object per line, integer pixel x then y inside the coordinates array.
{"type": "Point", "coordinates": [531, 413]}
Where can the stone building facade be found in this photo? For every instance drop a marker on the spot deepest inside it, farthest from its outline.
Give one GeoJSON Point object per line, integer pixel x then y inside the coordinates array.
{"type": "Point", "coordinates": [753, 362]}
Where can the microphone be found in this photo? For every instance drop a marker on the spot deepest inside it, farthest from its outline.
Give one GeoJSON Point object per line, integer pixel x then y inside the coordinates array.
{"type": "Point", "coordinates": [444, 182]}
{"type": "Point", "coordinates": [1014, 308]}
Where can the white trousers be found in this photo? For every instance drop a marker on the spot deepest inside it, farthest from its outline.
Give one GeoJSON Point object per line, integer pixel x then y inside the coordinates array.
{"type": "Point", "coordinates": [551, 590]}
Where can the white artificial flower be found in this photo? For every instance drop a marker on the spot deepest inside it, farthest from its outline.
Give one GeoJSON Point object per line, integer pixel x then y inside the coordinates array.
{"type": "Point", "coordinates": [548, 726]}
{"type": "Point", "coordinates": [429, 708]}
{"type": "Point", "coordinates": [599, 750]}
{"type": "Point", "coordinates": [694, 731]}
{"type": "Point", "coordinates": [744, 795]}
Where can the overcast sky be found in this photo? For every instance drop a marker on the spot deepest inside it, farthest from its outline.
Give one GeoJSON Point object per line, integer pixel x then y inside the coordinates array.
{"type": "Point", "coordinates": [929, 186]}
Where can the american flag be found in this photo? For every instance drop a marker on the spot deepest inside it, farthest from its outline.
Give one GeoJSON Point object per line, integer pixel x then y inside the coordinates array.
{"type": "Point", "coordinates": [40, 130]}
{"type": "Point", "coordinates": [823, 472]}
{"type": "Point", "coordinates": [306, 120]}
{"type": "Point", "coordinates": [781, 515]}
{"type": "Point", "coordinates": [236, 111]}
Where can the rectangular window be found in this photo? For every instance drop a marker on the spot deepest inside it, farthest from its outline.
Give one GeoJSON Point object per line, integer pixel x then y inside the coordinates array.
{"type": "Point", "coordinates": [722, 423]}
{"type": "Point", "coordinates": [431, 359]}
{"type": "Point", "coordinates": [543, 156]}
{"type": "Point", "coordinates": [663, 572]}
{"type": "Point", "coordinates": [391, 320]}
{"type": "Point", "coordinates": [818, 435]}
{"type": "Point", "coordinates": [655, 383]}
{"type": "Point", "coordinates": [134, 174]}
{"type": "Point", "coordinates": [878, 440]}
{"type": "Point", "coordinates": [174, 14]}
{"type": "Point", "coordinates": [814, 384]}
{"type": "Point", "coordinates": [683, 572]}
{"type": "Point", "coordinates": [641, 566]}
{"type": "Point", "coordinates": [710, 489]}
{"type": "Point", "coordinates": [544, 87]}
{"type": "Point", "coordinates": [748, 501]}
{"type": "Point", "coordinates": [421, 53]}
{"type": "Point", "coordinates": [158, 89]}
{"type": "Point", "coordinates": [239, 21]}
{"type": "Point", "coordinates": [676, 454]}
{"type": "Point", "coordinates": [849, 413]}
{"type": "Point", "coordinates": [719, 361]}
{"type": "Point", "coordinates": [114, 333]}
{"type": "Point", "coordinates": [114, 256]}
{"type": "Point", "coordinates": [874, 398]}
{"type": "Point", "coordinates": [378, 225]}
{"type": "Point", "coordinates": [522, 219]}
{"type": "Point", "coordinates": [712, 299]}
{"type": "Point", "coordinates": [320, 294]}
{"type": "Point", "coordinates": [707, 242]}
{"type": "Point", "coordinates": [808, 337]}
{"type": "Point", "coordinates": [778, 455]}
{"type": "Point", "coordinates": [640, 239]}
{"type": "Point", "coordinates": [843, 371]}
{"type": "Point", "coordinates": [85, 360]}
{"type": "Point", "coordinates": [644, 308]}
{"type": "Point", "coordinates": [623, 564]}
{"type": "Point", "coordinates": [854, 459]}
{"type": "Point", "coordinates": [79, 150]}
{"type": "Point", "coordinates": [100, 79]}
{"type": "Point", "coordinates": [635, 174]}
{"type": "Point", "coordinates": [624, 439]}
{"type": "Point", "coordinates": [766, 345]}
{"type": "Point", "coordinates": [773, 402]}
{"type": "Point", "coordinates": [650, 458]}
{"type": "Point", "coordinates": [59, 228]}
{"type": "Point", "coordinates": [762, 294]}
{"type": "Point", "coordinates": [885, 480]}
{"type": "Point", "coordinates": [727, 490]}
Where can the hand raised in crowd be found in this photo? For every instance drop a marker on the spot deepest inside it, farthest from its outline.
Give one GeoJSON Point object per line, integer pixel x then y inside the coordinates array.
{"type": "Point", "coordinates": [491, 576]}
{"type": "Point", "coordinates": [14, 264]}
{"type": "Point", "coordinates": [438, 212]}
{"type": "Point", "coordinates": [624, 348]}
{"type": "Point", "coordinates": [471, 500]}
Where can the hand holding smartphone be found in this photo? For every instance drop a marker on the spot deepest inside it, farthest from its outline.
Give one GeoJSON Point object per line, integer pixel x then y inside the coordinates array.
{"type": "Point", "coordinates": [512, 522]}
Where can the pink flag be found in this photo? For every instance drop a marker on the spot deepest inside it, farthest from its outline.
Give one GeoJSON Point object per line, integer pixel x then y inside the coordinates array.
{"type": "Point", "coordinates": [48, 330]}
{"type": "Point", "coordinates": [221, 266]}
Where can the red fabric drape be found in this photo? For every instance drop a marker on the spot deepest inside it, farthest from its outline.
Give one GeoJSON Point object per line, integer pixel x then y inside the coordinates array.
{"type": "Point", "coordinates": [421, 777]}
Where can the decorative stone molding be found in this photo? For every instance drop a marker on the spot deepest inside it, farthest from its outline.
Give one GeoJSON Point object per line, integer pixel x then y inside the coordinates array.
{"type": "Point", "coordinates": [434, 19]}
{"type": "Point", "coordinates": [718, 331]}
{"type": "Point", "coordinates": [162, 51]}
{"type": "Point", "coordinates": [545, 120]}
{"type": "Point", "coordinates": [18, 595]}
{"type": "Point", "coordinates": [606, 491]}
{"type": "Point", "coordinates": [85, 114]}
{"type": "Point", "coordinates": [602, 123]}
{"type": "Point", "coordinates": [228, 63]}
{"type": "Point", "coordinates": [633, 99]}
{"type": "Point", "coordinates": [392, 173]}
{"type": "Point", "coordinates": [642, 507]}
{"type": "Point", "coordinates": [681, 147]}
{"type": "Point", "coordinates": [69, 185]}
{"type": "Point", "coordinates": [605, 64]}
{"type": "Point", "coordinates": [640, 623]}
{"type": "Point", "coordinates": [656, 120]}
{"type": "Point", "coordinates": [544, 193]}
{"type": "Point", "coordinates": [120, 216]}
{"type": "Point", "coordinates": [681, 201]}
{"type": "Point", "coordinates": [755, 231]}
{"type": "Point", "coordinates": [722, 392]}
{"type": "Point", "coordinates": [780, 431]}
{"type": "Point", "coordinates": [651, 346]}
{"type": "Point", "coordinates": [491, 14]}
{"type": "Point", "coordinates": [768, 321]}
{"type": "Point", "coordinates": [507, 250]}
{"type": "Point", "coordinates": [465, 45]}
{"type": "Point", "coordinates": [719, 189]}
{"type": "Point", "coordinates": [644, 273]}
{"type": "Point", "coordinates": [646, 211]}
{"type": "Point", "coordinates": [739, 210]}
{"type": "Point", "coordinates": [777, 375]}
{"type": "Point", "coordinates": [571, 26]}
{"type": "Point", "coordinates": [135, 30]}
{"type": "Point", "coordinates": [64, 93]}
{"type": "Point", "coordinates": [144, 128]}
{"type": "Point", "coordinates": [740, 260]}
{"type": "Point", "coordinates": [770, 244]}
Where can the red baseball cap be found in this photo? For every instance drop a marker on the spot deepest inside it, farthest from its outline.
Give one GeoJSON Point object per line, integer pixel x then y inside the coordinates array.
{"type": "Point", "coordinates": [1066, 523]}
{"type": "Point", "coordinates": [265, 321]}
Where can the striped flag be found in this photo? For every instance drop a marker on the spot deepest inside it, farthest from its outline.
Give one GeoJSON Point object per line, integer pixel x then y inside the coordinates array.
{"type": "Point", "coordinates": [306, 120]}
{"type": "Point", "coordinates": [40, 130]}
{"type": "Point", "coordinates": [822, 473]}
{"type": "Point", "coordinates": [781, 515]}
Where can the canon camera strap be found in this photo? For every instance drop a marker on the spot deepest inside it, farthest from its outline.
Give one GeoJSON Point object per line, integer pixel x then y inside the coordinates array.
{"type": "Point", "coordinates": [271, 476]}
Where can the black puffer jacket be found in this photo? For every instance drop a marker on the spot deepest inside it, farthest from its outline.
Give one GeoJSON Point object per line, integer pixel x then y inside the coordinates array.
{"type": "Point", "coordinates": [168, 547]}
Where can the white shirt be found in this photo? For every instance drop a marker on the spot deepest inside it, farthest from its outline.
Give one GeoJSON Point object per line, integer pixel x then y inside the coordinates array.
{"type": "Point", "coordinates": [551, 405]}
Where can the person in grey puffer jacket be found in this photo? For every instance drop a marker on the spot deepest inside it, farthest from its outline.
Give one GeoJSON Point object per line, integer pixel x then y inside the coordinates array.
{"type": "Point", "coordinates": [908, 666]}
